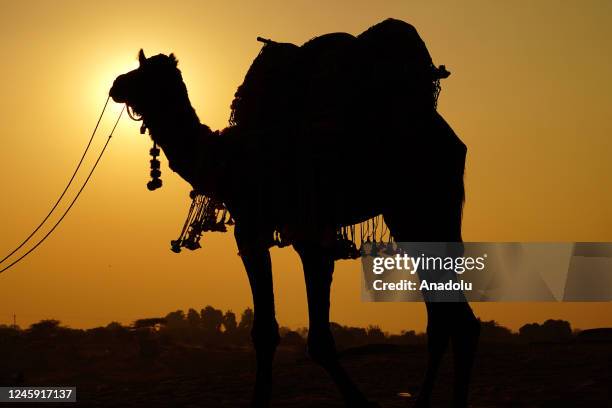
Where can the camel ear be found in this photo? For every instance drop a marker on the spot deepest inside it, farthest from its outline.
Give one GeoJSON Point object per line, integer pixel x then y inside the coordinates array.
{"type": "Point", "coordinates": [173, 59]}
{"type": "Point", "coordinates": [141, 57]}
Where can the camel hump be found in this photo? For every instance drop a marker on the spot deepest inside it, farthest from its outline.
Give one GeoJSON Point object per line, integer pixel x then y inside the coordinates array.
{"type": "Point", "coordinates": [333, 79]}
{"type": "Point", "coordinates": [270, 88]}
{"type": "Point", "coordinates": [329, 42]}
{"type": "Point", "coordinates": [398, 41]}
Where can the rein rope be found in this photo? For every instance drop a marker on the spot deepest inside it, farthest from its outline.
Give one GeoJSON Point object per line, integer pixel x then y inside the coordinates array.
{"type": "Point", "coordinates": [65, 188]}
{"type": "Point", "coordinates": [64, 192]}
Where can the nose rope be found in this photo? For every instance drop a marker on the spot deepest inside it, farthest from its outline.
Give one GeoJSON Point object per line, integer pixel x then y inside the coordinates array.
{"type": "Point", "coordinates": [73, 200]}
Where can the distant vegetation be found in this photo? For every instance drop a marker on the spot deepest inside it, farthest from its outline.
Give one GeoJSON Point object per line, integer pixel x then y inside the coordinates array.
{"type": "Point", "coordinates": [177, 340]}
{"type": "Point", "coordinates": [212, 327]}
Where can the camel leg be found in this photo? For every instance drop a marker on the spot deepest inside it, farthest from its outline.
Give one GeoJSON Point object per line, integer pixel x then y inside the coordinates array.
{"type": "Point", "coordinates": [447, 322]}
{"type": "Point", "coordinates": [465, 342]}
{"type": "Point", "coordinates": [452, 322]}
{"type": "Point", "coordinates": [318, 270]}
{"type": "Point", "coordinates": [438, 337]}
{"type": "Point", "coordinates": [257, 262]}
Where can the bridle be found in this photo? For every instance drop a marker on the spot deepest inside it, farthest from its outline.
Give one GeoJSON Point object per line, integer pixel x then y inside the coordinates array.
{"type": "Point", "coordinates": [137, 118]}
{"type": "Point", "coordinates": [133, 115]}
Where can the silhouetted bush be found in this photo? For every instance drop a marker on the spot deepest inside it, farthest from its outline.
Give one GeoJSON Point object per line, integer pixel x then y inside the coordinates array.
{"type": "Point", "coordinates": [293, 339]}
{"type": "Point", "coordinates": [492, 332]}
{"type": "Point", "coordinates": [599, 335]}
{"type": "Point", "coordinates": [407, 337]}
{"type": "Point", "coordinates": [9, 336]}
{"type": "Point", "coordinates": [152, 323]}
{"type": "Point", "coordinates": [550, 331]}
{"type": "Point", "coordinates": [115, 327]}
{"type": "Point", "coordinates": [375, 335]}
{"type": "Point", "coordinates": [346, 336]}
{"type": "Point", "coordinates": [45, 327]}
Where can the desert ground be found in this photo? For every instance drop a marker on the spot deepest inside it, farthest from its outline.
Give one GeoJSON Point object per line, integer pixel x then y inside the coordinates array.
{"type": "Point", "coordinates": [570, 374]}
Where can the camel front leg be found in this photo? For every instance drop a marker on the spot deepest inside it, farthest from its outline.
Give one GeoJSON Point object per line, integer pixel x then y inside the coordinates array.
{"type": "Point", "coordinates": [318, 270]}
{"type": "Point", "coordinates": [258, 265]}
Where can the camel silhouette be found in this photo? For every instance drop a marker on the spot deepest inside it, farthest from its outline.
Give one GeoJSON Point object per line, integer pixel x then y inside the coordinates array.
{"type": "Point", "coordinates": [322, 136]}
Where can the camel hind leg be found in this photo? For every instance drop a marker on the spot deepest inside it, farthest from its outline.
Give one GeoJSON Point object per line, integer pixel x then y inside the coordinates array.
{"type": "Point", "coordinates": [447, 322]}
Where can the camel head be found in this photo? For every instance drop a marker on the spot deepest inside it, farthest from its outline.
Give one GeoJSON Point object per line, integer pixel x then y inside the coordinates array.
{"type": "Point", "coordinates": [156, 83]}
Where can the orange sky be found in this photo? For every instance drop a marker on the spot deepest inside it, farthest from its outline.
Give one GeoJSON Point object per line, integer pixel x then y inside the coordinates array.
{"type": "Point", "coordinates": [529, 94]}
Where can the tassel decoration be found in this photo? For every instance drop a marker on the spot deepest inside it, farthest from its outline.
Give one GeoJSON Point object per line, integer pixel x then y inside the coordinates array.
{"type": "Point", "coordinates": [209, 215]}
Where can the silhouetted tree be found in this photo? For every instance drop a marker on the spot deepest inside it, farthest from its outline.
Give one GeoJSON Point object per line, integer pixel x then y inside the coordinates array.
{"type": "Point", "coordinates": [529, 332]}
{"type": "Point", "coordinates": [175, 319]}
{"type": "Point", "coordinates": [44, 328]}
{"type": "Point", "coordinates": [212, 319]}
{"type": "Point", "coordinates": [491, 331]}
{"type": "Point", "coordinates": [116, 334]}
{"type": "Point", "coordinates": [193, 318]}
{"type": "Point", "coordinates": [229, 322]}
{"type": "Point", "coordinates": [375, 335]}
{"type": "Point", "coordinates": [559, 330]}
{"type": "Point", "coordinates": [115, 326]}
{"type": "Point", "coordinates": [149, 323]}
{"type": "Point", "coordinates": [550, 331]}
{"type": "Point", "coordinates": [246, 320]}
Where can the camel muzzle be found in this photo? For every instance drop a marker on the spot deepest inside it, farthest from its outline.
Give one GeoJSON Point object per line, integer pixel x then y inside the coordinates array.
{"type": "Point", "coordinates": [116, 90]}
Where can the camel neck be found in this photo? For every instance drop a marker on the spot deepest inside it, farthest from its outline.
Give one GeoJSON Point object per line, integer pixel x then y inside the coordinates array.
{"type": "Point", "coordinates": [187, 143]}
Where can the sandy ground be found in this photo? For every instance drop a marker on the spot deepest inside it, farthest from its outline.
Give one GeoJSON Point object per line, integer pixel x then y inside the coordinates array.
{"type": "Point", "coordinates": [540, 375]}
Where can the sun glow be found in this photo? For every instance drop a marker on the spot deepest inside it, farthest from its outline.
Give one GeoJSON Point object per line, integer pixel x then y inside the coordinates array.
{"type": "Point", "coordinates": [101, 79]}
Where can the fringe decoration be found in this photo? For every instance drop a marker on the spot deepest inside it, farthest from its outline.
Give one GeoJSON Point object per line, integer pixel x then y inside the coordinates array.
{"type": "Point", "coordinates": [374, 238]}
{"type": "Point", "coordinates": [205, 214]}
{"type": "Point", "coordinates": [369, 238]}
{"type": "Point", "coordinates": [436, 92]}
